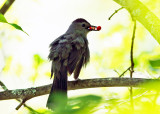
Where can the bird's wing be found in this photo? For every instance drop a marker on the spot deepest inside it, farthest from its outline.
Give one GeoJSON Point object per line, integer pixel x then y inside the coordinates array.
{"type": "Point", "coordinates": [84, 59]}
{"type": "Point", "coordinates": [78, 68]}
{"type": "Point", "coordinates": [60, 50]}
{"type": "Point", "coordinates": [78, 48]}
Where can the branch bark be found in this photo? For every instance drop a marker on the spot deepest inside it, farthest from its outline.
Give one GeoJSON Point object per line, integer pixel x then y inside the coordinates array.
{"type": "Point", "coordinates": [6, 89]}
{"type": "Point", "coordinates": [141, 13]}
{"type": "Point", "coordinates": [6, 6]}
{"type": "Point", "coordinates": [82, 84]}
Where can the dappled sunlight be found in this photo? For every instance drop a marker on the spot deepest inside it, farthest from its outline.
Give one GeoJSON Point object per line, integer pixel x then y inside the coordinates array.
{"type": "Point", "coordinates": [24, 58]}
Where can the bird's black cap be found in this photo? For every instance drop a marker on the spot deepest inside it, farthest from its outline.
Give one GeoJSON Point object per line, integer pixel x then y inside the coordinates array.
{"type": "Point", "coordinates": [80, 20]}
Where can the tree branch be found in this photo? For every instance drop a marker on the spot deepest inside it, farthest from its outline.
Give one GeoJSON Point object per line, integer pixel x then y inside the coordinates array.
{"type": "Point", "coordinates": [6, 6]}
{"type": "Point", "coordinates": [81, 84]}
{"type": "Point", "coordinates": [6, 89]}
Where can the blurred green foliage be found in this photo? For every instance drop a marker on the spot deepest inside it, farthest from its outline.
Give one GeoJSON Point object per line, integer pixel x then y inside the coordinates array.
{"type": "Point", "coordinates": [146, 58]}
{"type": "Point", "coordinates": [155, 63]}
{"type": "Point", "coordinates": [79, 105]}
{"type": "Point", "coordinates": [8, 62]}
{"type": "Point", "coordinates": [37, 62]}
{"type": "Point", "coordinates": [145, 102]}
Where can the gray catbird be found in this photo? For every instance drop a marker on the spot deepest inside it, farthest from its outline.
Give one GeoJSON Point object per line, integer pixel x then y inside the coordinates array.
{"type": "Point", "coordinates": [68, 54]}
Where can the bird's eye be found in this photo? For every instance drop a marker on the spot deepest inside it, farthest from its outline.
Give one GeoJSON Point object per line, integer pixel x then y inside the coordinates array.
{"type": "Point", "coordinates": [83, 25]}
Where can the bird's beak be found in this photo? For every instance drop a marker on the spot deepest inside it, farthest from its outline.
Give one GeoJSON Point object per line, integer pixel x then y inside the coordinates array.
{"type": "Point", "coordinates": [94, 28]}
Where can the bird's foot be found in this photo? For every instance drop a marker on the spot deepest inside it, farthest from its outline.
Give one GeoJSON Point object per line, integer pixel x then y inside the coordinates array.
{"type": "Point", "coordinates": [76, 81]}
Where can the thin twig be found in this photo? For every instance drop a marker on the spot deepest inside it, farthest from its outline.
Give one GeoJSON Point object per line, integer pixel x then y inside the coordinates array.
{"type": "Point", "coordinates": [132, 64]}
{"type": "Point", "coordinates": [3, 86]}
{"type": "Point", "coordinates": [124, 72]}
{"type": "Point", "coordinates": [131, 98]}
{"type": "Point", "coordinates": [116, 71]}
{"type": "Point", "coordinates": [115, 13]}
{"type": "Point", "coordinates": [131, 53]}
{"type": "Point", "coordinates": [22, 103]}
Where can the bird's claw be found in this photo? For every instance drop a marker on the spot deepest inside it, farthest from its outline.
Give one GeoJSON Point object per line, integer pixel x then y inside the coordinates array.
{"type": "Point", "coordinates": [76, 81]}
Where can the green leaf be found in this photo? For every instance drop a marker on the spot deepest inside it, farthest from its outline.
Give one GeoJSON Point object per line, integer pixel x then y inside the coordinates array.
{"type": "Point", "coordinates": [17, 27]}
{"type": "Point", "coordinates": [144, 15]}
{"type": "Point", "coordinates": [155, 63]}
{"type": "Point", "coordinates": [3, 19]}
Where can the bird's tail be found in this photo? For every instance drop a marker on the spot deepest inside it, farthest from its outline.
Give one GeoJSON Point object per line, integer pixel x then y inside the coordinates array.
{"type": "Point", "coordinates": [58, 93]}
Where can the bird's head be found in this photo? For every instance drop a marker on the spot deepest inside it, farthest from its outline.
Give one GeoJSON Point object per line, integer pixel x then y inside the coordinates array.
{"type": "Point", "coordinates": [82, 26]}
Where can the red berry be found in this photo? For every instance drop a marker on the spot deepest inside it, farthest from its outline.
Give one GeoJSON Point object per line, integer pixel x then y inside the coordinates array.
{"type": "Point", "coordinates": [99, 28]}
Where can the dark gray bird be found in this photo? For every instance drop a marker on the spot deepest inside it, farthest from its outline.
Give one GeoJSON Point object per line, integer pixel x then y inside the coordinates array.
{"type": "Point", "coordinates": [68, 54]}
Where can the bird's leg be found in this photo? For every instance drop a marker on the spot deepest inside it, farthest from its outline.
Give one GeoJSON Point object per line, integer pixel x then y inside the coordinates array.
{"type": "Point", "coordinates": [76, 81]}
